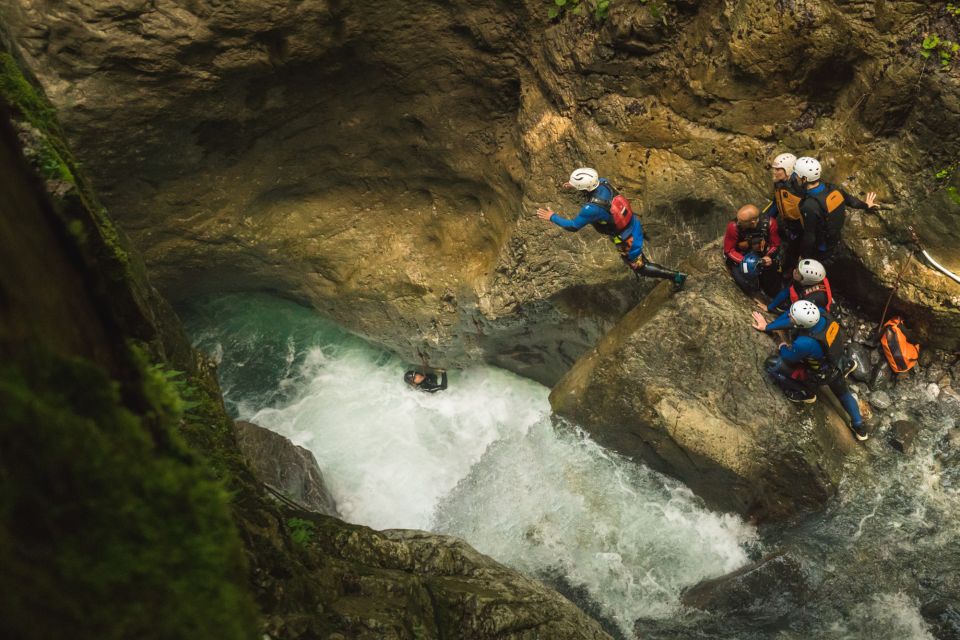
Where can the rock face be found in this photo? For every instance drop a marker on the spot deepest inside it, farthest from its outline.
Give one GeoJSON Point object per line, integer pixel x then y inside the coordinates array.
{"type": "Point", "coordinates": [99, 441]}
{"type": "Point", "coordinates": [765, 592]}
{"type": "Point", "coordinates": [285, 467]}
{"type": "Point", "coordinates": [389, 582]}
{"type": "Point", "coordinates": [679, 384]}
{"type": "Point", "coordinates": [380, 161]}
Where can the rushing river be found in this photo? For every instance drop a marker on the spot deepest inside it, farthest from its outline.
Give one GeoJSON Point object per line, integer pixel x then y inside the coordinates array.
{"type": "Point", "coordinates": [484, 461]}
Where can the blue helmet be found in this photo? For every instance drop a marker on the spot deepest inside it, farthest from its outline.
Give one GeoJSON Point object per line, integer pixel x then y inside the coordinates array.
{"type": "Point", "coordinates": [750, 267]}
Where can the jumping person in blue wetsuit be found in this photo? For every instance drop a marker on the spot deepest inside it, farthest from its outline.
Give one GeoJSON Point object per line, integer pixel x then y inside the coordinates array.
{"type": "Point", "coordinates": [815, 358]}
{"type": "Point", "coordinates": [824, 211]}
{"type": "Point", "coordinates": [611, 215]}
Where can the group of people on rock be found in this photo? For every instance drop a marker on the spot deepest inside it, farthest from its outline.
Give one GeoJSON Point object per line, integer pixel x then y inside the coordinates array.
{"type": "Point", "coordinates": [783, 251]}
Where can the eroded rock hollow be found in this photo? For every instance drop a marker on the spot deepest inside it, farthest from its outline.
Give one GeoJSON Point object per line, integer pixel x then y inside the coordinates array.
{"type": "Point", "coordinates": [381, 161]}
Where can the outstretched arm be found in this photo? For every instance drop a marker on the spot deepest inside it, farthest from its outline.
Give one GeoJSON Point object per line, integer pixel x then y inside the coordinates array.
{"type": "Point", "coordinates": [857, 203]}
{"type": "Point", "coordinates": [583, 218]}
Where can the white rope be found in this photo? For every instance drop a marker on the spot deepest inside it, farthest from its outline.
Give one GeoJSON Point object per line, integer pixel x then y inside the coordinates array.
{"type": "Point", "coordinates": [940, 267]}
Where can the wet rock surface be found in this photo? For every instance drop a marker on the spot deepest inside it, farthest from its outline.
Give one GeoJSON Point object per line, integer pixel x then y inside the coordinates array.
{"type": "Point", "coordinates": [286, 468]}
{"type": "Point", "coordinates": [679, 384]}
{"type": "Point", "coordinates": [890, 527]}
{"type": "Point", "coordinates": [902, 434]}
{"type": "Point", "coordinates": [453, 590]}
{"type": "Point", "coordinates": [766, 591]}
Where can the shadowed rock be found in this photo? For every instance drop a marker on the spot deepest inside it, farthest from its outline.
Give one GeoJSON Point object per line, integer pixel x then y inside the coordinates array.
{"type": "Point", "coordinates": [679, 384]}
{"type": "Point", "coordinates": [902, 435]}
{"type": "Point", "coordinates": [765, 591]}
{"type": "Point", "coordinates": [285, 467]}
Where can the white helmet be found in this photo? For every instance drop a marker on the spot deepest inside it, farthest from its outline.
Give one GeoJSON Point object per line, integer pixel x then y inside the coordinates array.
{"type": "Point", "coordinates": [808, 168]}
{"type": "Point", "coordinates": [784, 161]}
{"type": "Point", "coordinates": [811, 272]}
{"type": "Point", "coordinates": [585, 179]}
{"type": "Point", "coordinates": [804, 314]}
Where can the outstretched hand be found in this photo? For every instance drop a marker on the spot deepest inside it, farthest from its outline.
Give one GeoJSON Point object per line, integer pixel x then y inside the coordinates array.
{"type": "Point", "coordinates": [759, 322]}
{"type": "Point", "coordinates": [871, 200]}
{"type": "Point", "coordinates": [544, 214]}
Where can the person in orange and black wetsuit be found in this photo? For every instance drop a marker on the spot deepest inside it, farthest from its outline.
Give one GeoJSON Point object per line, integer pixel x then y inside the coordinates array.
{"type": "Point", "coordinates": [824, 212]}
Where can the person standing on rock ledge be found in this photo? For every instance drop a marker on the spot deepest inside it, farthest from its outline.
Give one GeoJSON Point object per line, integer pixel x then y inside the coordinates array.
{"type": "Point", "coordinates": [785, 208]}
{"type": "Point", "coordinates": [824, 212]}
{"type": "Point", "coordinates": [815, 358]}
{"type": "Point", "coordinates": [611, 215]}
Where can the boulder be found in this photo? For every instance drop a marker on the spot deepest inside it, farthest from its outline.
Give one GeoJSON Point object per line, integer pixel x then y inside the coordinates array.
{"type": "Point", "coordinates": [902, 435]}
{"type": "Point", "coordinates": [881, 400]}
{"type": "Point", "coordinates": [284, 467]}
{"type": "Point", "coordinates": [861, 355]}
{"type": "Point", "coordinates": [679, 384]}
{"type": "Point", "coordinates": [765, 591]}
{"type": "Point", "coordinates": [390, 580]}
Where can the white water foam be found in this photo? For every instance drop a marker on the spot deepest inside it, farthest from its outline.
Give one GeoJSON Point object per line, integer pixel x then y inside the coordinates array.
{"type": "Point", "coordinates": [483, 461]}
{"type": "Point", "coordinates": [888, 616]}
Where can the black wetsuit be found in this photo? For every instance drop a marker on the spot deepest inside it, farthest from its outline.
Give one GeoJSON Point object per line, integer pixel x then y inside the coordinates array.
{"type": "Point", "coordinates": [789, 226]}
{"type": "Point", "coordinates": [822, 230]}
{"type": "Point", "coordinates": [430, 384]}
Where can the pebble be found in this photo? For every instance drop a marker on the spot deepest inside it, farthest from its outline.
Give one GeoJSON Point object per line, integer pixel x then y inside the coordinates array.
{"type": "Point", "coordinates": [881, 400]}
{"type": "Point", "coordinates": [932, 392]}
{"type": "Point", "coordinates": [934, 372]}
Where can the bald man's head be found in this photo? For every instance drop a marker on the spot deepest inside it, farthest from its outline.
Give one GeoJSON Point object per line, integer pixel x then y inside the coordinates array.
{"type": "Point", "coordinates": [748, 215]}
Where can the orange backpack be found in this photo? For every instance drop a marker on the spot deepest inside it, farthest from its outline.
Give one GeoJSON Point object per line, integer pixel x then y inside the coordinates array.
{"type": "Point", "coordinates": [900, 352]}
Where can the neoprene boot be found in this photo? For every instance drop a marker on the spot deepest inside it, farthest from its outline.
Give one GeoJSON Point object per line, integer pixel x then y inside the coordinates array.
{"type": "Point", "coordinates": [653, 270]}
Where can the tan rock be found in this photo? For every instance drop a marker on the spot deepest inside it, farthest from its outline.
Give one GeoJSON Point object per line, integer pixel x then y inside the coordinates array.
{"type": "Point", "coordinates": [679, 384]}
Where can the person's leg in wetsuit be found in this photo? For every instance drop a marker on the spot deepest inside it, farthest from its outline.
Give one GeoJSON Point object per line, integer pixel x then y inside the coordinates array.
{"type": "Point", "coordinates": [643, 267]}
{"type": "Point", "coordinates": [838, 384]}
{"type": "Point", "coordinates": [796, 387]}
{"type": "Point", "coordinates": [791, 256]}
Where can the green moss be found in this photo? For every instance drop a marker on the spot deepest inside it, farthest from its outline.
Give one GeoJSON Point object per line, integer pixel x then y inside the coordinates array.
{"type": "Point", "coordinates": [301, 531]}
{"type": "Point", "coordinates": [104, 531]}
{"type": "Point", "coordinates": [53, 160]}
{"type": "Point", "coordinates": [21, 94]}
{"type": "Point", "coordinates": [50, 157]}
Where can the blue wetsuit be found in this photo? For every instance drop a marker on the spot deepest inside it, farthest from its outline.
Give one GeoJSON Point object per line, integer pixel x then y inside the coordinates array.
{"type": "Point", "coordinates": [792, 357]}
{"type": "Point", "coordinates": [782, 297]}
{"type": "Point", "coordinates": [594, 214]}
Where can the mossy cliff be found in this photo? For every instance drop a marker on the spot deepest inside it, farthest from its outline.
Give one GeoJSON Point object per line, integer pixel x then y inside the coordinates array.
{"type": "Point", "coordinates": [110, 526]}
{"type": "Point", "coordinates": [125, 508]}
